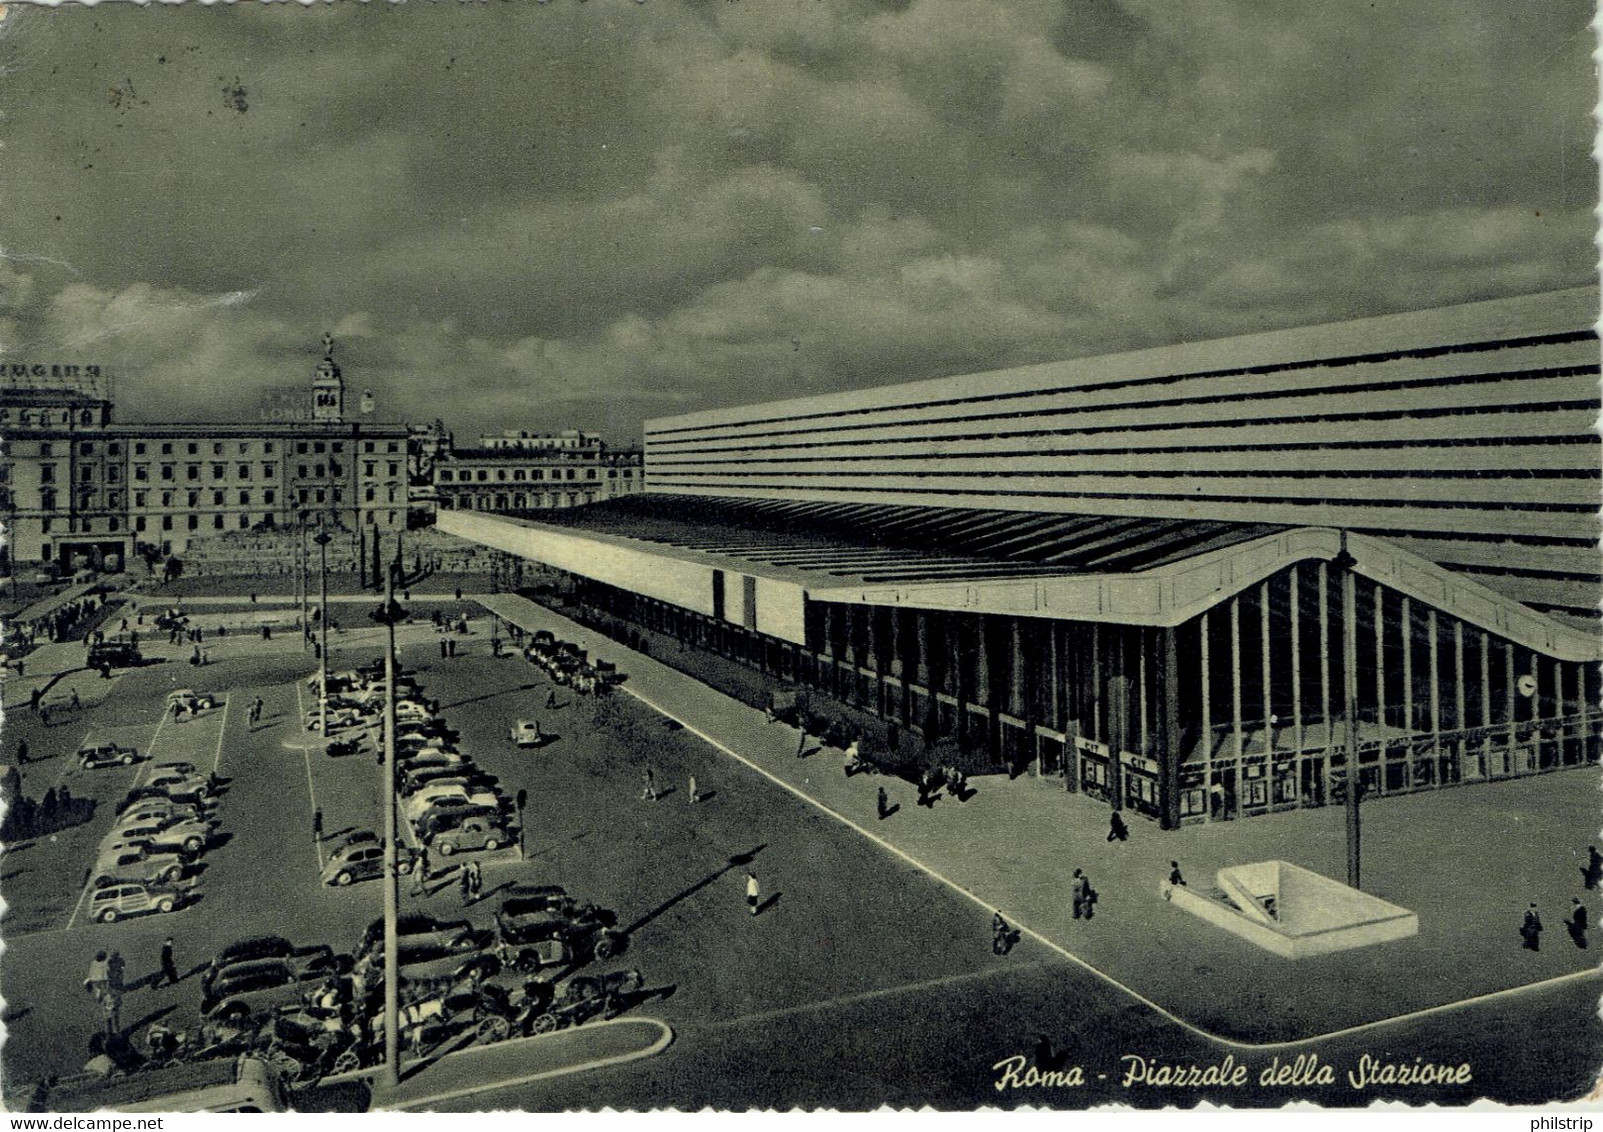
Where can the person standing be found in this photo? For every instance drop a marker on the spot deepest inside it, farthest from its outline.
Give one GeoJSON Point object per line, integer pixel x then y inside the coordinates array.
{"type": "Point", "coordinates": [1591, 873]}
{"type": "Point", "coordinates": [169, 967]}
{"type": "Point", "coordinates": [73, 701]}
{"type": "Point", "coordinates": [442, 648]}
{"type": "Point", "coordinates": [466, 884]}
{"type": "Point", "coordinates": [648, 791]}
{"type": "Point", "coordinates": [34, 697]}
{"type": "Point", "coordinates": [1082, 895]}
{"type": "Point", "coordinates": [99, 975]}
{"type": "Point", "coordinates": [421, 872]}
{"type": "Point", "coordinates": [695, 791]}
{"type": "Point", "coordinates": [1578, 923]}
{"type": "Point", "coordinates": [1117, 830]}
{"type": "Point", "coordinates": [882, 804]}
{"type": "Point", "coordinates": [22, 752]}
{"type": "Point", "coordinates": [1531, 930]}
{"type": "Point", "coordinates": [753, 892]}
{"type": "Point", "coordinates": [317, 825]}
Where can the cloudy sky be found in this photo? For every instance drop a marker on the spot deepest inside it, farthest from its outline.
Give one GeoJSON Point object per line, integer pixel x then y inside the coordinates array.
{"type": "Point", "coordinates": [590, 212]}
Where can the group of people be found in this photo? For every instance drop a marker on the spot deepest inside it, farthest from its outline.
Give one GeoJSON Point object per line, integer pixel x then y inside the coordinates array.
{"type": "Point", "coordinates": [1579, 922]}
{"type": "Point", "coordinates": [58, 625]}
{"type": "Point", "coordinates": [935, 779]}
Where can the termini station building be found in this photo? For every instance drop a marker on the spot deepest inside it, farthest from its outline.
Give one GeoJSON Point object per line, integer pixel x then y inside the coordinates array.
{"type": "Point", "coordinates": [1187, 581]}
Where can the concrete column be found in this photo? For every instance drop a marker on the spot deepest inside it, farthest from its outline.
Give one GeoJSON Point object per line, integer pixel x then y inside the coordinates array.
{"type": "Point", "coordinates": [1295, 606]}
{"type": "Point", "coordinates": [1172, 747]}
{"type": "Point", "coordinates": [1264, 680]}
{"type": "Point", "coordinates": [1432, 631]}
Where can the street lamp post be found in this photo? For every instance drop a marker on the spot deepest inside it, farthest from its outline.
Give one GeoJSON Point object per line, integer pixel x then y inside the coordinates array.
{"type": "Point", "coordinates": [389, 614]}
{"type": "Point", "coordinates": [306, 624]}
{"type": "Point", "coordinates": [323, 538]}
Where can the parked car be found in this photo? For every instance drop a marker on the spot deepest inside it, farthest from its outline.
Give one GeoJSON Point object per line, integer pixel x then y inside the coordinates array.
{"type": "Point", "coordinates": [313, 961]}
{"type": "Point", "coordinates": [133, 899]}
{"type": "Point", "coordinates": [416, 805]}
{"type": "Point", "coordinates": [148, 793]}
{"type": "Point", "coordinates": [422, 757]}
{"type": "Point", "coordinates": [416, 778]}
{"type": "Point", "coordinates": [419, 928]}
{"type": "Point", "coordinates": [130, 864]}
{"type": "Point", "coordinates": [158, 805]}
{"type": "Point", "coordinates": [467, 961]}
{"type": "Point", "coordinates": [526, 733]}
{"type": "Point", "coordinates": [176, 835]}
{"type": "Point", "coordinates": [470, 835]}
{"type": "Point", "coordinates": [362, 860]}
{"type": "Point", "coordinates": [181, 786]}
{"type": "Point", "coordinates": [339, 719]}
{"type": "Point", "coordinates": [118, 654]}
{"type": "Point", "coordinates": [191, 700]}
{"type": "Point", "coordinates": [94, 756]}
{"type": "Point", "coordinates": [256, 988]}
{"type": "Point", "coordinates": [441, 817]}
{"type": "Point", "coordinates": [537, 933]}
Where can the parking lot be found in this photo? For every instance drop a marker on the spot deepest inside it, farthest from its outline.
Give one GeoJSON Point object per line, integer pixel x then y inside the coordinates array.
{"type": "Point", "coordinates": [860, 965]}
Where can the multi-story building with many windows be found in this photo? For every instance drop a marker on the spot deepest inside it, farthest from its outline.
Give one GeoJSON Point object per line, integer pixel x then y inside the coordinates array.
{"type": "Point", "coordinates": [80, 488]}
{"type": "Point", "coordinates": [534, 477]}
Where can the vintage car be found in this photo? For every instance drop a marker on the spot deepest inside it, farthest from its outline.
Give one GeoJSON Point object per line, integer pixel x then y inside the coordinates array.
{"type": "Point", "coordinates": [112, 903]}
{"type": "Point", "coordinates": [363, 859]}
{"type": "Point", "coordinates": [127, 864]}
{"type": "Point", "coordinates": [470, 835]}
{"type": "Point", "coordinates": [538, 932]}
{"type": "Point", "coordinates": [526, 733]}
{"type": "Point", "coordinates": [94, 756]}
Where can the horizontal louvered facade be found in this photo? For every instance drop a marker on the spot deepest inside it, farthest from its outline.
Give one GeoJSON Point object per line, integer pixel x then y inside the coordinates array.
{"type": "Point", "coordinates": [1464, 434]}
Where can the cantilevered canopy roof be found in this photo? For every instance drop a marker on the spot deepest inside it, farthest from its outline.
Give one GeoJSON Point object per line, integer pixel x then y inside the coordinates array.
{"type": "Point", "coordinates": [1135, 571]}
{"type": "Point", "coordinates": [834, 543]}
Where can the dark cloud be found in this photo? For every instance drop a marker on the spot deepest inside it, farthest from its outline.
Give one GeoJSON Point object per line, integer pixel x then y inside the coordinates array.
{"type": "Point", "coordinates": [588, 213]}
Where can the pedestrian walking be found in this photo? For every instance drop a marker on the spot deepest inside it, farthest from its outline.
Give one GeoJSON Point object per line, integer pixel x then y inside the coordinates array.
{"type": "Point", "coordinates": [22, 752]}
{"type": "Point", "coordinates": [442, 648]}
{"type": "Point", "coordinates": [648, 792]}
{"type": "Point", "coordinates": [1117, 830]}
{"type": "Point", "coordinates": [317, 825]}
{"type": "Point", "coordinates": [73, 702]}
{"type": "Point", "coordinates": [882, 805]}
{"type": "Point", "coordinates": [752, 892]}
{"type": "Point", "coordinates": [253, 597]}
{"type": "Point", "coordinates": [450, 645]}
{"type": "Point", "coordinates": [420, 873]}
{"type": "Point", "coordinates": [33, 700]}
{"type": "Point", "coordinates": [1174, 875]}
{"type": "Point", "coordinates": [695, 791]}
{"type": "Point", "coordinates": [466, 884]}
{"type": "Point", "coordinates": [169, 967]}
{"type": "Point", "coordinates": [1531, 929]}
{"type": "Point", "coordinates": [111, 1003]}
{"type": "Point", "coordinates": [1578, 923]}
{"type": "Point", "coordinates": [114, 971]}
{"type": "Point", "coordinates": [801, 743]}
{"type": "Point", "coordinates": [476, 879]}
{"type": "Point", "coordinates": [1591, 873]}
{"type": "Point", "coordinates": [551, 698]}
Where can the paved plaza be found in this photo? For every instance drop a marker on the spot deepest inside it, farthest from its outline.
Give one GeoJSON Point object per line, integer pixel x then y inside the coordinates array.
{"type": "Point", "coordinates": [872, 951]}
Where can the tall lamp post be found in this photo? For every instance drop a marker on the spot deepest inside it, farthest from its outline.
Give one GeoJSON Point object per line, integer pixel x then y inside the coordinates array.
{"type": "Point", "coordinates": [323, 538]}
{"type": "Point", "coordinates": [389, 614]}
{"type": "Point", "coordinates": [306, 623]}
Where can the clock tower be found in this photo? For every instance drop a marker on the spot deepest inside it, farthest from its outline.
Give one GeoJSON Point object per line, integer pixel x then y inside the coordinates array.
{"type": "Point", "coordinates": [328, 389]}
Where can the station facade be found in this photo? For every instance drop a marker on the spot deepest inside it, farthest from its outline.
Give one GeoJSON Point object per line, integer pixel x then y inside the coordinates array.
{"type": "Point", "coordinates": [1201, 582]}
